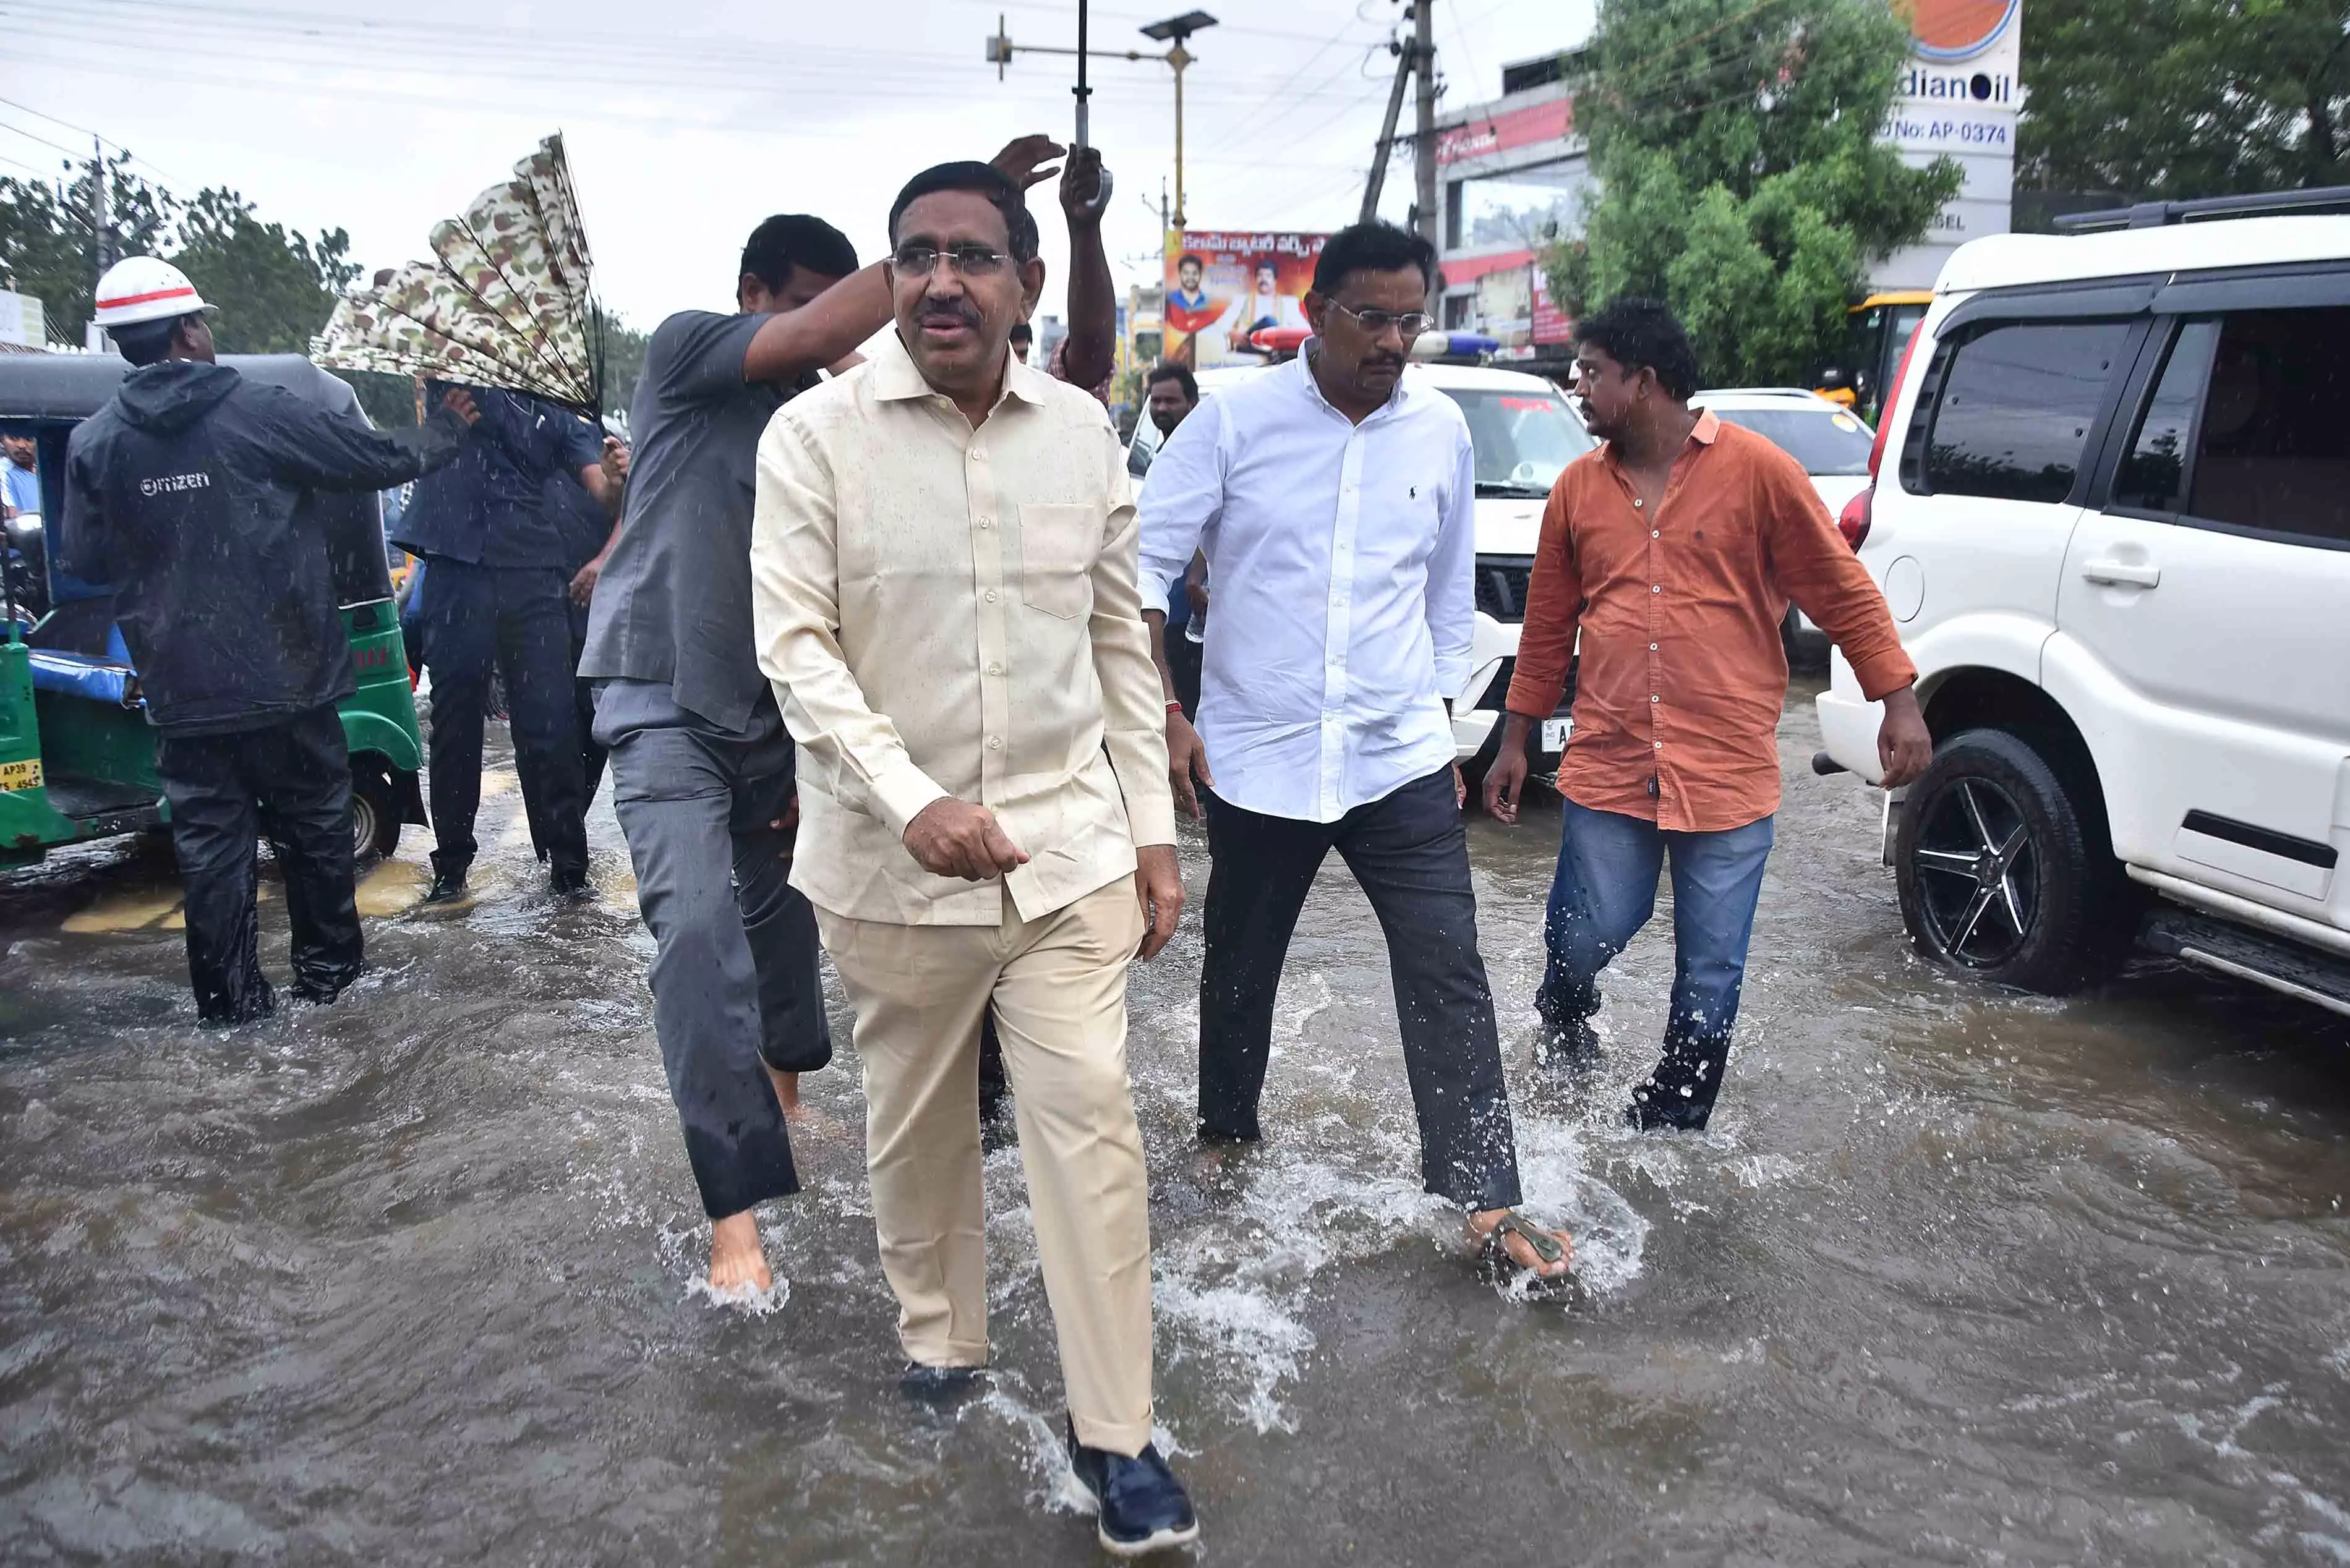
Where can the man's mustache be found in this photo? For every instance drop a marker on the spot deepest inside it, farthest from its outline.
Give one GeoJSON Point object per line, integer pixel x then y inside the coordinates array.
{"type": "Point", "coordinates": [957, 311]}
{"type": "Point", "coordinates": [1383, 363]}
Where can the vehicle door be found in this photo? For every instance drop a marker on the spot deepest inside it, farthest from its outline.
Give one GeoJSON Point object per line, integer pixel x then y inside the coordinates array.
{"type": "Point", "coordinates": [1993, 472]}
{"type": "Point", "coordinates": [2205, 606]}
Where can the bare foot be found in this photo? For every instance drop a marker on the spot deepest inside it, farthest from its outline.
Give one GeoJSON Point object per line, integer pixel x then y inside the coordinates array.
{"type": "Point", "coordinates": [787, 1092]}
{"type": "Point", "coordinates": [737, 1263]}
{"type": "Point", "coordinates": [1483, 1223]}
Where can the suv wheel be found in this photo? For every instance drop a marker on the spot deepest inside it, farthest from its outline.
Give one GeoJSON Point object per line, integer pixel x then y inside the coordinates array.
{"type": "Point", "coordinates": [1996, 876]}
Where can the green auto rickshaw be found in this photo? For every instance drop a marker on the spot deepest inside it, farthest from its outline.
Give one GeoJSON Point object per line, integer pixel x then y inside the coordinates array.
{"type": "Point", "coordinates": [77, 754]}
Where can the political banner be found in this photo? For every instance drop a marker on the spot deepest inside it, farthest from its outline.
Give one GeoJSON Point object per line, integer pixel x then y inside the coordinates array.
{"type": "Point", "coordinates": [1224, 284]}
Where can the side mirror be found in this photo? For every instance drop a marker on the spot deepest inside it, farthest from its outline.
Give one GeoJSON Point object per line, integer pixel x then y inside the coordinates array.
{"type": "Point", "coordinates": [25, 528]}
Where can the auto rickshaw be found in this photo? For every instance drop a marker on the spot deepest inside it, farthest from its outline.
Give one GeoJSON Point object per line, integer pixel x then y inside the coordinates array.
{"type": "Point", "coordinates": [76, 753]}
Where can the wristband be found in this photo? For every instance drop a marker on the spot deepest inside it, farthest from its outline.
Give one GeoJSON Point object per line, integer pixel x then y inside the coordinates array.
{"type": "Point", "coordinates": [1174, 707]}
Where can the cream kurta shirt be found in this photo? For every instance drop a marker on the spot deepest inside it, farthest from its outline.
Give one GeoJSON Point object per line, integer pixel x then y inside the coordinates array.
{"type": "Point", "coordinates": [946, 611]}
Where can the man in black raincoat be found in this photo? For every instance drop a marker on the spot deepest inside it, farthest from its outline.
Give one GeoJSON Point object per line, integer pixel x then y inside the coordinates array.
{"type": "Point", "coordinates": [190, 493]}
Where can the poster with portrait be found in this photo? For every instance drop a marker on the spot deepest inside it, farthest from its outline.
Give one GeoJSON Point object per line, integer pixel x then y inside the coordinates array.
{"type": "Point", "coordinates": [1223, 284]}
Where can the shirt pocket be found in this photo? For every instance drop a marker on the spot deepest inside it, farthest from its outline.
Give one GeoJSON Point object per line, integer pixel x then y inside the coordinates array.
{"type": "Point", "coordinates": [1057, 548]}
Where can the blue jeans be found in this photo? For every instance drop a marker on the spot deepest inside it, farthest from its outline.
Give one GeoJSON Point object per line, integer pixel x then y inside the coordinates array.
{"type": "Point", "coordinates": [1606, 890]}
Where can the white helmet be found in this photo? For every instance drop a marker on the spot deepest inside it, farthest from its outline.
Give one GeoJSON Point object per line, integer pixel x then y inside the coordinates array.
{"type": "Point", "coordinates": [141, 288]}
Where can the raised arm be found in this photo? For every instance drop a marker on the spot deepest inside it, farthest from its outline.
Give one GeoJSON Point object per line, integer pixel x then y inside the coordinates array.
{"type": "Point", "coordinates": [320, 451]}
{"type": "Point", "coordinates": [1092, 350]}
{"type": "Point", "coordinates": [826, 331]}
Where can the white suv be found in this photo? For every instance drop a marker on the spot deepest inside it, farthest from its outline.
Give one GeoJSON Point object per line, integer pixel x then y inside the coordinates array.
{"type": "Point", "coordinates": [1524, 433]}
{"type": "Point", "coordinates": [2111, 514]}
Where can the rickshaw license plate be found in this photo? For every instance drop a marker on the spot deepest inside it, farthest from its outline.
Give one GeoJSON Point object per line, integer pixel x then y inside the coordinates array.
{"type": "Point", "coordinates": [25, 774]}
{"type": "Point", "coordinates": [1554, 733]}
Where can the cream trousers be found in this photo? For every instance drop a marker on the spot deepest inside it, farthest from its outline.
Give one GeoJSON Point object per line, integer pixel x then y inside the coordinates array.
{"type": "Point", "coordinates": [1058, 988]}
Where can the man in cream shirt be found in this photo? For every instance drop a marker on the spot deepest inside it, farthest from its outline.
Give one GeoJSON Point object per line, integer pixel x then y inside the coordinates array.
{"type": "Point", "coordinates": [943, 576]}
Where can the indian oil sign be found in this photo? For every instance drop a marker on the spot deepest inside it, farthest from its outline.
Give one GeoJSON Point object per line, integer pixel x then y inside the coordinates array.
{"type": "Point", "coordinates": [1958, 100]}
{"type": "Point", "coordinates": [1966, 52]}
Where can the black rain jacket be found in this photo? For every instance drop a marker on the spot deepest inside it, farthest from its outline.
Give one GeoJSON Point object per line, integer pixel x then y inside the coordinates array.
{"type": "Point", "coordinates": [190, 494]}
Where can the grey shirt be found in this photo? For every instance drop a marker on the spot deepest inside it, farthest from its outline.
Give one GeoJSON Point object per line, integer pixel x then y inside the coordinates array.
{"type": "Point", "coordinates": [673, 603]}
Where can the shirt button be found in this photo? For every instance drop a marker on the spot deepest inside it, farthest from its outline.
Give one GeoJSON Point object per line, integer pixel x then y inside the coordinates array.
{"type": "Point", "coordinates": [1652, 647]}
{"type": "Point", "coordinates": [995, 670]}
{"type": "Point", "coordinates": [995, 742]}
{"type": "Point", "coordinates": [1638, 505]}
{"type": "Point", "coordinates": [1656, 533]}
{"type": "Point", "coordinates": [1653, 698]}
{"type": "Point", "coordinates": [1660, 745]}
{"type": "Point", "coordinates": [1658, 590]}
{"type": "Point", "coordinates": [991, 595]}
{"type": "Point", "coordinates": [977, 455]}
{"type": "Point", "coordinates": [987, 522]}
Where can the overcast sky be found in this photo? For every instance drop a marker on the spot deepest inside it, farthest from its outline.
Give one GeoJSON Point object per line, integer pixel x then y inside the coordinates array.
{"type": "Point", "coordinates": [687, 122]}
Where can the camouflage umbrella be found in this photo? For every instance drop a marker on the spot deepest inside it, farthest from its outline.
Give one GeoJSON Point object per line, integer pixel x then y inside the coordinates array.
{"type": "Point", "coordinates": [505, 303]}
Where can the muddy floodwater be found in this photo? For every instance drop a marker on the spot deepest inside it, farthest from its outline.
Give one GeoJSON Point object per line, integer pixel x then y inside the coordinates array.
{"type": "Point", "coordinates": [1956, 1277]}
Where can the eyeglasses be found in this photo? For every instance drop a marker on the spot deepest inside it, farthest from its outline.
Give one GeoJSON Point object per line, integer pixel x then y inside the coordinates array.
{"type": "Point", "coordinates": [1412, 324]}
{"type": "Point", "coordinates": [971, 261]}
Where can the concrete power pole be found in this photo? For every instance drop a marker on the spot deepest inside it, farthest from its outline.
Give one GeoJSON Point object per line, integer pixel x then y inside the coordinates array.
{"type": "Point", "coordinates": [1379, 179]}
{"type": "Point", "coordinates": [1423, 209]}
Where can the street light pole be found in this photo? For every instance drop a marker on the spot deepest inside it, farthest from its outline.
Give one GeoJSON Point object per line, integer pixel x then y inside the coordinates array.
{"type": "Point", "coordinates": [1171, 32]}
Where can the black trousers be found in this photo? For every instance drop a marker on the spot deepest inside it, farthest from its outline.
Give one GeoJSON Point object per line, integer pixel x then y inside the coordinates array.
{"type": "Point", "coordinates": [291, 783]}
{"type": "Point", "coordinates": [734, 975]}
{"type": "Point", "coordinates": [473, 620]}
{"type": "Point", "coordinates": [1411, 857]}
{"type": "Point", "coordinates": [592, 755]}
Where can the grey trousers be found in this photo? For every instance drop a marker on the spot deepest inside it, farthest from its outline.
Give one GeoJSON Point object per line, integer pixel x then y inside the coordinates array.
{"type": "Point", "coordinates": [735, 973]}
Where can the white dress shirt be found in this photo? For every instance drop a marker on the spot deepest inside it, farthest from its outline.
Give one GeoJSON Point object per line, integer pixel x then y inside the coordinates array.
{"type": "Point", "coordinates": [1342, 558]}
{"type": "Point", "coordinates": [950, 612]}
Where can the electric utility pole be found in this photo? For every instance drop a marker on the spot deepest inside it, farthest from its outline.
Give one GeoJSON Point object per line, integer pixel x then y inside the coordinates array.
{"type": "Point", "coordinates": [1403, 54]}
{"type": "Point", "coordinates": [1423, 208]}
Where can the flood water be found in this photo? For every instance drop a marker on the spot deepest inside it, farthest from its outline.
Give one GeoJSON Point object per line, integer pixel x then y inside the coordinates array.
{"type": "Point", "coordinates": [1956, 1276]}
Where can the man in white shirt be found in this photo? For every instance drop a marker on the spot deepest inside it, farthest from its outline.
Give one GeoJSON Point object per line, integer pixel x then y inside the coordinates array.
{"type": "Point", "coordinates": [1334, 501]}
{"type": "Point", "coordinates": [942, 562]}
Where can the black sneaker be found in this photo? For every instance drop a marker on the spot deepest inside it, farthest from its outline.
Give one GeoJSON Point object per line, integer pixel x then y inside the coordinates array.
{"type": "Point", "coordinates": [569, 882]}
{"type": "Point", "coordinates": [1143, 1508]}
{"type": "Point", "coordinates": [941, 1387]}
{"type": "Point", "coordinates": [447, 886]}
{"type": "Point", "coordinates": [1568, 1046]}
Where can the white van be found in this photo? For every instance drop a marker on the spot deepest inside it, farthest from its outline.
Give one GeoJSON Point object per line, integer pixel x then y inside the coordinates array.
{"type": "Point", "coordinates": [2111, 516]}
{"type": "Point", "coordinates": [1524, 433]}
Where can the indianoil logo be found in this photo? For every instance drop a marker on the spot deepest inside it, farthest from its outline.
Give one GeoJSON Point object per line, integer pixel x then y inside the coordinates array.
{"type": "Point", "coordinates": [1959, 29]}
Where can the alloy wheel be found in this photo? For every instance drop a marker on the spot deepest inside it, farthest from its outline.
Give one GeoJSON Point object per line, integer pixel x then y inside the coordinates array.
{"type": "Point", "coordinates": [1979, 873]}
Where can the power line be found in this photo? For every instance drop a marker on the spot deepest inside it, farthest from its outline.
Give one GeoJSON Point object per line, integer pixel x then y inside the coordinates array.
{"type": "Point", "coordinates": [69, 124]}
{"type": "Point", "coordinates": [56, 146]}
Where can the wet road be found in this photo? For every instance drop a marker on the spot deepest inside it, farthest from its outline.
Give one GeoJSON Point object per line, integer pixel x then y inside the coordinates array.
{"type": "Point", "coordinates": [1956, 1277]}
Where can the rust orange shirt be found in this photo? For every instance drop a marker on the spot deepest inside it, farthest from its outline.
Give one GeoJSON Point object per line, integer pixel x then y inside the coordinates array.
{"type": "Point", "coordinates": [1683, 674]}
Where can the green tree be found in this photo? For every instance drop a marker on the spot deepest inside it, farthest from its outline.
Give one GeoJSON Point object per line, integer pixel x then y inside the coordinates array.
{"type": "Point", "coordinates": [2166, 99]}
{"type": "Point", "coordinates": [49, 250]}
{"type": "Point", "coordinates": [1739, 175]}
{"type": "Point", "coordinates": [274, 286]}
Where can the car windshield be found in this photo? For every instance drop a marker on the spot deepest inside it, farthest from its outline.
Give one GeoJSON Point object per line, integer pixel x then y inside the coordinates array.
{"type": "Point", "coordinates": [1522, 439]}
{"type": "Point", "coordinates": [1825, 441]}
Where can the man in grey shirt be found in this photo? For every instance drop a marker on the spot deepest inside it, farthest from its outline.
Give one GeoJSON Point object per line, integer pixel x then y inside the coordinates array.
{"type": "Point", "coordinates": [702, 771]}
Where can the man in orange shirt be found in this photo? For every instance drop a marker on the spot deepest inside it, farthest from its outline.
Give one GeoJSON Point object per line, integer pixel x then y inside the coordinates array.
{"type": "Point", "coordinates": [1673, 549]}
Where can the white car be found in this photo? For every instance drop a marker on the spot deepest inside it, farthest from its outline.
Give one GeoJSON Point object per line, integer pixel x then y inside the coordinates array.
{"type": "Point", "coordinates": [1524, 433]}
{"type": "Point", "coordinates": [1829, 440]}
{"type": "Point", "coordinates": [2111, 516]}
